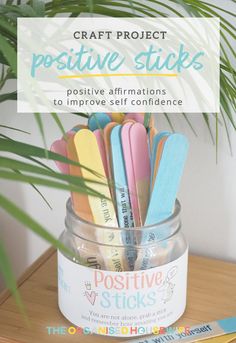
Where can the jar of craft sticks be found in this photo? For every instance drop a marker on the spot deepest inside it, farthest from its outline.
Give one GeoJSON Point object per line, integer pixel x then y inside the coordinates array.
{"type": "Point", "coordinates": [122, 281]}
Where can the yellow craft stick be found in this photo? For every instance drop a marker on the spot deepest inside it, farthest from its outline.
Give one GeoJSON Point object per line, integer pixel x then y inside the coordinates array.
{"type": "Point", "coordinates": [102, 209]}
{"type": "Point", "coordinates": [221, 339]}
{"type": "Point", "coordinates": [79, 200]}
{"type": "Point", "coordinates": [81, 207]}
{"type": "Point", "coordinates": [118, 117]}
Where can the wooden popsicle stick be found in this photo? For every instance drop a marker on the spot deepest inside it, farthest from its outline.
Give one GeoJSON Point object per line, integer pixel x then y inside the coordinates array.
{"type": "Point", "coordinates": [141, 167]}
{"type": "Point", "coordinates": [163, 196]}
{"type": "Point", "coordinates": [72, 131]}
{"type": "Point", "coordinates": [98, 121]}
{"type": "Point", "coordinates": [230, 338]}
{"type": "Point", "coordinates": [118, 117]}
{"type": "Point", "coordinates": [128, 121]}
{"type": "Point", "coordinates": [81, 207]}
{"type": "Point", "coordinates": [151, 134]}
{"type": "Point", "coordinates": [168, 178]}
{"type": "Point", "coordinates": [124, 212]}
{"type": "Point", "coordinates": [59, 147]}
{"type": "Point", "coordinates": [101, 145]}
{"type": "Point", "coordinates": [151, 121]}
{"type": "Point", "coordinates": [107, 142]}
{"type": "Point", "coordinates": [126, 147]}
{"type": "Point", "coordinates": [79, 200]}
{"type": "Point", "coordinates": [101, 207]}
{"type": "Point", "coordinates": [137, 117]}
{"type": "Point", "coordinates": [160, 148]}
{"type": "Point", "coordinates": [155, 141]}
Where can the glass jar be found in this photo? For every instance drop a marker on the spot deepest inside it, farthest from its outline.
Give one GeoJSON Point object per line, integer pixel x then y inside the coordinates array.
{"type": "Point", "coordinates": [113, 269]}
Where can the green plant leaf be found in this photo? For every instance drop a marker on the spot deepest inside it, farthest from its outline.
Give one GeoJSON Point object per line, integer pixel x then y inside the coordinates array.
{"type": "Point", "coordinates": [8, 52]}
{"type": "Point", "coordinates": [169, 122]}
{"type": "Point", "coordinates": [27, 11]}
{"type": "Point", "coordinates": [205, 9]}
{"type": "Point", "coordinates": [38, 162]}
{"type": "Point", "coordinates": [41, 195]}
{"type": "Point", "coordinates": [5, 76]}
{"type": "Point", "coordinates": [189, 124]}
{"type": "Point", "coordinates": [30, 223]}
{"type": "Point", "coordinates": [8, 96]}
{"type": "Point", "coordinates": [28, 150]}
{"type": "Point", "coordinates": [225, 106]}
{"type": "Point", "coordinates": [8, 163]}
{"type": "Point", "coordinates": [8, 28]}
{"type": "Point", "coordinates": [35, 188]}
{"type": "Point", "coordinates": [3, 59]}
{"type": "Point", "coordinates": [217, 137]}
{"type": "Point", "coordinates": [29, 157]}
{"type": "Point", "coordinates": [84, 115]}
{"type": "Point", "coordinates": [14, 128]}
{"type": "Point", "coordinates": [80, 187]}
{"type": "Point", "coordinates": [4, 136]}
{"type": "Point", "coordinates": [137, 7]}
{"type": "Point", "coordinates": [218, 8]}
{"type": "Point", "coordinates": [39, 8]}
{"type": "Point", "coordinates": [147, 117]}
{"type": "Point", "coordinates": [59, 124]}
{"type": "Point", "coordinates": [8, 276]}
{"type": "Point", "coordinates": [41, 129]}
{"type": "Point", "coordinates": [90, 5]}
{"type": "Point", "coordinates": [206, 119]}
{"type": "Point", "coordinates": [227, 132]}
{"type": "Point", "coordinates": [166, 6]}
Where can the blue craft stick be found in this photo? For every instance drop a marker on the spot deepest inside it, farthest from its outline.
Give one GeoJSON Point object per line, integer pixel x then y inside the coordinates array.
{"type": "Point", "coordinates": [98, 121]}
{"type": "Point", "coordinates": [76, 129]}
{"type": "Point", "coordinates": [155, 142]}
{"type": "Point", "coordinates": [168, 178]}
{"type": "Point", "coordinates": [199, 332]}
{"type": "Point", "coordinates": [228, 324]}
{"type": "Point", "coordinates": [121, 188]}
{"type": "Point", "coordinates": [164, 193]}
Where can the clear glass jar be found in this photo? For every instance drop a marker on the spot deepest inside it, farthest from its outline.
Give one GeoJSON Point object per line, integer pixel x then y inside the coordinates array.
{"type": "Point", "coordinates": [121, 249]}
{"type": "Point", "coordinates": [122, 282]}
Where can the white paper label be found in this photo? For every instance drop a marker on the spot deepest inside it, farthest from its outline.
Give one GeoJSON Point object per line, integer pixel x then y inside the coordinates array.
{"type": "Point", "coordinates": [118, 65]}
{"type": "Point", "coordinates": [122, 304]}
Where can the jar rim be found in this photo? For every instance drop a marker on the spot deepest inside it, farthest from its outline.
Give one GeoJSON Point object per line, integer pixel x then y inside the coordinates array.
{"type": "Point", "coordinates": [170, 219]}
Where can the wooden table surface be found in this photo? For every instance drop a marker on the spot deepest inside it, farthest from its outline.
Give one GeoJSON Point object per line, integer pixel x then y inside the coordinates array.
{"type": "Point", "coordinates": [211, 296]}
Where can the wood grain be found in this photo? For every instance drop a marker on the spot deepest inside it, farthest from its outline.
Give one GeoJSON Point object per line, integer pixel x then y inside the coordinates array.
{"type": "Point", "coordinates": [211, 296]}
{"type": "Point", "coordinates": [30, 270]}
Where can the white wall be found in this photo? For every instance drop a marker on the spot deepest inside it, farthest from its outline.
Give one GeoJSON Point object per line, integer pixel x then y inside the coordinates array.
{"type": "Point", "coordinates": [208, 190]}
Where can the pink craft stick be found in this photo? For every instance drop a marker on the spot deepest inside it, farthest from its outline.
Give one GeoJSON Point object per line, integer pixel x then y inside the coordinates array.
{"type": "Point", "coordinates": [138, 117]}
{"type": "Point", "coordinates": [110, 115]}
{"type": "Point", "coordinates": [59, 147]}
{"type": "Point", "coordinates": [70, 133]}
{"type": "Point", "coordinates": [101, 146]}
{"type": "Point", "coordinates": [141, 167]}
{"type": "Point", "coordinates": [126, 147]}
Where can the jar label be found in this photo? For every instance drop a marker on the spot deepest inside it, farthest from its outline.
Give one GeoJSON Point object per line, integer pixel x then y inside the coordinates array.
{"type": "Point", "coordinates": [122, 303]}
